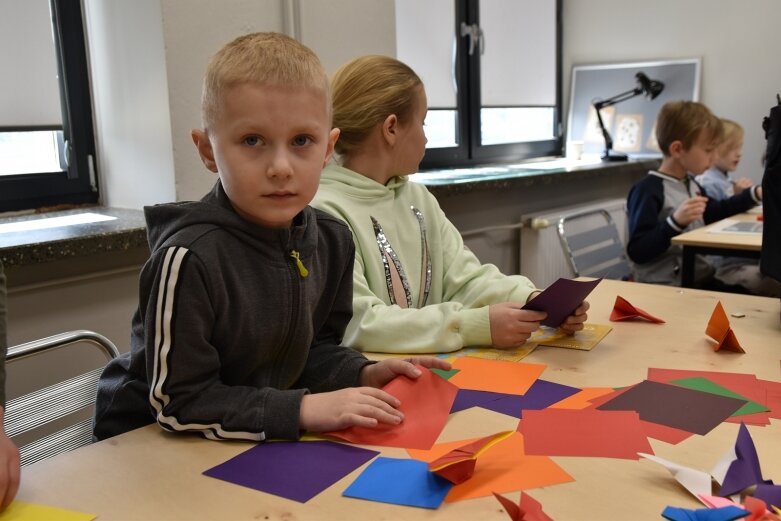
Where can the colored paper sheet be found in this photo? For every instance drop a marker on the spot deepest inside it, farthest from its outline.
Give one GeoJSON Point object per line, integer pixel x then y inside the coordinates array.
{"type": "Point", "coordinates": [759, 510]}
{"type": "Point", "coordinates": [582, 399]}
{"type": "Point", "coordinates": [293, 470]}
{"type": "Point", "coordinates": [697, 482]}
{"type": "Point", "coordinates": [512, 354]}
{"type": "Point", "coordinates": [674, 406]}
{"type": "Point", "coordinates": [744, 471]}
{"type": "Point", "coordinates": [527, 509]}
{"type": "Point", "coordinates": [539, 396]}
{"type": "Point", "coordinates": [400, 482]}
{"type": "Point", "coordinates": [746, 385]}
{"type": "Point", "coordinates": [425, 402]}
{"type": "Point", "coordinates": [623, 310]}
{"type": "Point", "coordinates": [447, 375]}
{"type": "Point", "coordinates": [23, 511]}
{"type": "Point", "coordinates": [561, 299]}
{"type": "Point", "coordinates": [773, 397]}
{"type": "Point", "coordinates": [504, 468]}
{"type": "Point", "coordinates": [586, 432]}
{"type": "Point", "coordinates": [458, 465]}
{"type": "Point", "coordinates": [584, 340]}
{"type": "Point", "coordinates": [719, 330]}
{"type": "Point", "coordinates": [703, 384]}
{"type": "Point", "coordinates": [728, 513]}
{"type": "Point", "coordinates": [495, 376]}
{"type": "Point", "coordinates": [664, 433]}
{"type": "Point", "coordinates": [716, 501]}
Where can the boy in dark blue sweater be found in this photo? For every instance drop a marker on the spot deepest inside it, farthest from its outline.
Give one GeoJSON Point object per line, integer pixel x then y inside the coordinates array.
{"type": "Point", "coordinates": [669, 201]}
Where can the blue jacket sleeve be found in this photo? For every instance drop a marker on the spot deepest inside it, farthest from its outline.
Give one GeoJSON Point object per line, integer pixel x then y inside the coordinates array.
{"type": "Point", "coordinates": [649, 236]}
{"type": "Point", "coordinates": [717, 209]}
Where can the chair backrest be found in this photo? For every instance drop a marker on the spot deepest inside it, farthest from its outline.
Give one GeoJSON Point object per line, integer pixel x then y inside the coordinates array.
{"type": "Point", "coordinates": [593, 246]}
{"type": "Point", "coordinates": [57, 402]}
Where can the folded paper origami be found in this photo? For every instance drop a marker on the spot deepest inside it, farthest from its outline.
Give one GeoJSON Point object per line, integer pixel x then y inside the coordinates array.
{"type": "Point", "coordinates": [728, 513]}
{"type": "Point", "coordinates": [720, 331]}
{"type": "Point", "coordinates": [623, 310]}
{"type": "Point", "coordinates": [528, 509]}
{"type": "Point", "coordinates": [458, 465]}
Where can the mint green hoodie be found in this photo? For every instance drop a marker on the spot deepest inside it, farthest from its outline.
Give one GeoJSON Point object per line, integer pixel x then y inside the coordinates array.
{"type": "Point", "coordinates": [417, 288]}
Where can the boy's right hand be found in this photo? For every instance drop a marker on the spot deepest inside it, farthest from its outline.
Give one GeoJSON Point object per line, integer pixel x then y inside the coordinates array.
{"type": "Point", "coordinates": [353, 406]}
{"type": "Point", "coordinates": [512, 326]}
{"type": "Point", "coordinates": [690, 210]}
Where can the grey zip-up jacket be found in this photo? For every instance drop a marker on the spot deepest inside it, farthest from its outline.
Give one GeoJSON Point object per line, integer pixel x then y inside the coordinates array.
{"type": "Point", "coordinates": [229, 335]}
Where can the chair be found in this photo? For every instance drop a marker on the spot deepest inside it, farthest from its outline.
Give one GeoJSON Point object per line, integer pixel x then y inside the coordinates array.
{"type": "Point", "coordinates": [592, 245]}
{"type": "Point", "coordinates": [58, 401]}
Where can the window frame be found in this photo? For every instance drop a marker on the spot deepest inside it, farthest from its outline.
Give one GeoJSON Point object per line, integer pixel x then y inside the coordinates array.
{"type": "Point", "coordinates": [77, 184]}
{"type": "Point", "coordinates": [469, 151]}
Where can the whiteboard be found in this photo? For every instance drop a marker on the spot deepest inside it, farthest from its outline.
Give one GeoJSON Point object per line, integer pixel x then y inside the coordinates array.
{"type": "Point", "coordinates": [631, 123]}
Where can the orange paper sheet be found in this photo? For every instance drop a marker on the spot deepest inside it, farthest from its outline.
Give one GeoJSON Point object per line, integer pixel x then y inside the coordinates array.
{"type": "Point", "coordinates": [425, 402]}
{"type": "Point", "coordinates": [503, 468]}
{"type": "Point", "coordinates": [623, 310]}
{"type": "Point", "coordinates": [720, 331]}
{"type": "Point", "coordinates": [587, 432]}
{"type": "Point", "coordinates": [582, 399]}
{"type": "Point", "coordinates": [495, 376]}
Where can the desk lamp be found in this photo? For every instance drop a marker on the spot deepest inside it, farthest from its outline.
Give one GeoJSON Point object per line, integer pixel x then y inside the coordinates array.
{"type": "Point", "coordinates": [651, 89]}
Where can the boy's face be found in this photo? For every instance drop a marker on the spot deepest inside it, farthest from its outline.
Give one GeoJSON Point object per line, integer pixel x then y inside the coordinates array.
{"type": "Point", "coordinates": [268, 145]}
{"type": "Point", "coordinates": [729, 155]}
{"type": "Point", "coordinates": [700, 155]}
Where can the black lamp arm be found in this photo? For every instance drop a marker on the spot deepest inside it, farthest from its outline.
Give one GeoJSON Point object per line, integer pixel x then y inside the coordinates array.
{"type": "Point", "coordinates": [618, 98]}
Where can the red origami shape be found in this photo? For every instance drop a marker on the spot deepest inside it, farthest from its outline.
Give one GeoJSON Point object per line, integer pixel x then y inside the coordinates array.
{"type": "Point", "coordinates": [623, 310]}
{"type": "Point", "coordinates": [458, 465]}
{"type": "Point", "coordinates": [720, 331]}
{"type": "Point", "coordinates": [529, 509]}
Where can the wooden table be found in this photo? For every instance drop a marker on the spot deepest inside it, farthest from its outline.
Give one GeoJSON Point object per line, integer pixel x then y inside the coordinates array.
{"type": "Point", "coordinates": [705, 241]}
{"type": "Point", "coordinates": [149, 474]}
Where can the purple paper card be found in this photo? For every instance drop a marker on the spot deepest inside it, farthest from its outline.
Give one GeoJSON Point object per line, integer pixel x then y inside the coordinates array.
{"type": "Point", "coordinates": [744, 471]}
{"type": "Point", "coordinates": [560, 299]}
{"type": "Point", "coordinates": [539, 396]}
{"type": "Point", "coordinates": [296, 470]}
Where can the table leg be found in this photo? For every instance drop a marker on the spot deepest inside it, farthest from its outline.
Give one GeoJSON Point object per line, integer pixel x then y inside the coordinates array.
{"type": "Point", "coordinates": [687, 269]}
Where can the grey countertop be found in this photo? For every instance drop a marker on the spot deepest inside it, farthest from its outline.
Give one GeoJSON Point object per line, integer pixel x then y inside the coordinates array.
{"type": "Point", "coordinates": [24, 240]}
{"type": "Point", "coordinates": [125, 231]}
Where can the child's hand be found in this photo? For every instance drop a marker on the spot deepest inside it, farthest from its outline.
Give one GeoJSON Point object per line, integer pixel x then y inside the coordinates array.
{"type": "Point", "coordinates": [742, 184]}
{"type": "Point", "coordinates": [354, 406]}
{"type": "Point", "coordinates": [512, 326]}
{"type": "Point", "coordinates": [576, 320]}
{"type": "Point", "coordinates": [379, 374]}
{"type": "Point", "coordinates": [690, 210]}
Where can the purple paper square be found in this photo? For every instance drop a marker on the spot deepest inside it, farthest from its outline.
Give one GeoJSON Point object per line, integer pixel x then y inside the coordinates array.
{"type": "Point", "coordinates": [540, 395]}
{"type": "Point", "coordinates": [296, 470]}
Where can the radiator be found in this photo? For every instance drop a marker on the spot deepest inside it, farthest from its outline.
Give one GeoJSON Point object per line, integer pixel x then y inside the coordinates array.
{"type": "Point", "coordinates": [542, 257]}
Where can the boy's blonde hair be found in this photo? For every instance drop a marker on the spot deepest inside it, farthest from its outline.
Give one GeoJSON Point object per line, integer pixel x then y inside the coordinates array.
{"type": "Point", "coordinates": [732, 135]}
{"type": "Point", "coordinates": [684, 121]}
{"type": "Point", "coordinates": [264, 58]}
{"type": "Point", "coordinates": [367, 90]}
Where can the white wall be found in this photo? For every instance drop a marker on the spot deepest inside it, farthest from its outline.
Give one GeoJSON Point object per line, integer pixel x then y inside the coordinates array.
{"type": "Point", "coordinates": [737, 41]}
{"type": "Point", "coordinates": [130, 100]}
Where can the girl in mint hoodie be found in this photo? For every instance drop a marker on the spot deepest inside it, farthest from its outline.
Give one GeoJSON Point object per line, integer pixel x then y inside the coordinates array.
{"type": "Point", "coordinates": [417, 288]}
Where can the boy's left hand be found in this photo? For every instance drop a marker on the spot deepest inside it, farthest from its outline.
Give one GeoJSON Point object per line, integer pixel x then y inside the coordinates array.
{"type": "Point", "coordinates": [575, 321]}
{"type": "Point", "coordinates": [379, 374]}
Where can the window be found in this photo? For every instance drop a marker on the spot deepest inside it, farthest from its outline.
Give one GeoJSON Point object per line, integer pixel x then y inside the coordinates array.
{"type": "Point", "coordinates": [47, 146]}
{"type": "Point", "coordinates": [492, 74]}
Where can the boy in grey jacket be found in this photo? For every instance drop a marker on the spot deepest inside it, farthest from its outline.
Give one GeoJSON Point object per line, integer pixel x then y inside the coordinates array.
{"type": "Point", "coordinates": [247, 294]}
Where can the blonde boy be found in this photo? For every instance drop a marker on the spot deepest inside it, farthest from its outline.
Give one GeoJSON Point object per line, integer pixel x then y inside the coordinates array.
{"type": "Point", "coordinates": [668, 201]}
{"type": "Point", "coordinates": [245, 298]}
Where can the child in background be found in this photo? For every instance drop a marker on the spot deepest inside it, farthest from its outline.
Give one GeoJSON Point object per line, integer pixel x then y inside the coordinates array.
{"type": "Point", "coordinates": [669, 201]}
{"type": "Point", "coordinates": [417, 288]}
{"type": "Point", "coordinates": [734, 271]}
{"type": "Point", "coordinates": [244, 300]}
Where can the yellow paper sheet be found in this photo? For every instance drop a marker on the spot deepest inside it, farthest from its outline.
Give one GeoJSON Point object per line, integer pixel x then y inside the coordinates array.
{"type": "Point", "coordinates": [584, 340]}
{"type": "Point", "coordinates": [22, 511]}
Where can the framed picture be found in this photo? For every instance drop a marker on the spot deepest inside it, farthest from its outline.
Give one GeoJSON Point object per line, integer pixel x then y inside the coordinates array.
{"type": "Point", "coordinates": [631, 123]}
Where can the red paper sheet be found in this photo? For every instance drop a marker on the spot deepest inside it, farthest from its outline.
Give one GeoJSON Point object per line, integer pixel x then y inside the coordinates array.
{"type": "Point", "coordinates": [586, 432]}
{"type": "Point", "coordinates": [425, 402]}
